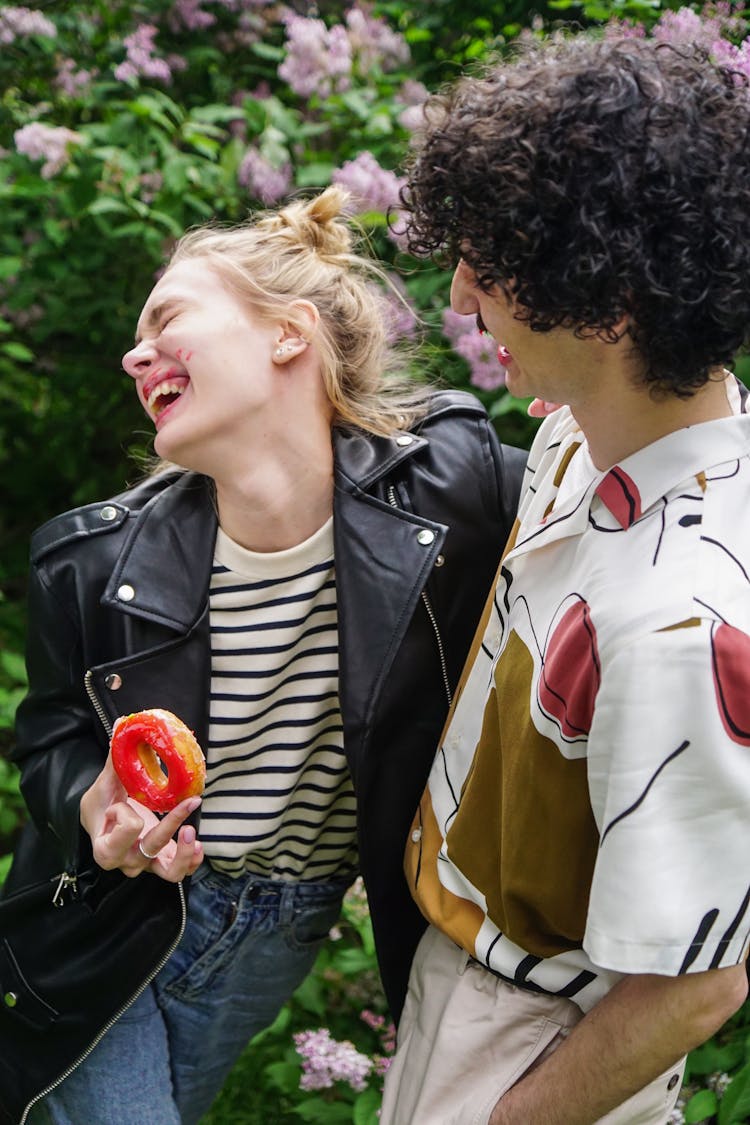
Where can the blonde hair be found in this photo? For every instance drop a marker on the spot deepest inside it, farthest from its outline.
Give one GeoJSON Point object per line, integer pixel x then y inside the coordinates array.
{"type": "Point", "coordinates": [306, 251]}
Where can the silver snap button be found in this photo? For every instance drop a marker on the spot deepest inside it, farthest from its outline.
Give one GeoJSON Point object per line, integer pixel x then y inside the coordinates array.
{"type": "Point", "coordinates": [425, 537]}
{"type": "Point", "coordinates": [10, 999]}
{"type": "Point", "coordinates": [440, 560]}
{"type": "Point", "coordinates": [416, 835]}
{"type": "Point", "coordinates": [126, 593]}
{"type": "Point", "coordinates": [108, 513]}
{"type": "Point", "coordinates": [404, 439]}
{"type": "Point", "coordinates": [113, 681]}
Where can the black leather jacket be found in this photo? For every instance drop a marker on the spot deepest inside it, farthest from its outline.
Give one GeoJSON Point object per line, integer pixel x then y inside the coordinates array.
{"type": "Point", "coordinates": [119, 622]}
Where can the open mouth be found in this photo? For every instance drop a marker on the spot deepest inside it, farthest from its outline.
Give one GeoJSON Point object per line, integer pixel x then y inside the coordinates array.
{"type": "Point", "coordinates": [166, 394]}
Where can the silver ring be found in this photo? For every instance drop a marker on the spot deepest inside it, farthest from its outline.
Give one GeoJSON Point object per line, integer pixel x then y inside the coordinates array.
{"type": "Point", "coordinates": [144, 853]}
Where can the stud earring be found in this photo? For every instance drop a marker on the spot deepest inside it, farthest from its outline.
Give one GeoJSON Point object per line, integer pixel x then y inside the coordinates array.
{"type": "Point", "coordinates": [281, 350]}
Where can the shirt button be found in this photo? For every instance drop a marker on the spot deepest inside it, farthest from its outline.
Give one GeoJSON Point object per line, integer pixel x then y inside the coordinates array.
{"type": "Point", "coordinates": [416, 835]}
{"type": "Point", "coordinates": [126, 593]}
{"type": "Point", "coordinates": [425, 537]}
{"type": "Point", "coordinates": [108, 513]}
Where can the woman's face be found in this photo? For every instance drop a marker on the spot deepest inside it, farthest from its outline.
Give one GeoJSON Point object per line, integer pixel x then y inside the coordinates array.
{"type": "Point", "coordinates": [203, 367]}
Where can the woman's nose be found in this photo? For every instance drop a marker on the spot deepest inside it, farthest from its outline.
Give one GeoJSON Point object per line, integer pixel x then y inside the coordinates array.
{"type": "Point", "coordinates": [463, 290]}
{"type": "Point", "coordinates": [139, 359]}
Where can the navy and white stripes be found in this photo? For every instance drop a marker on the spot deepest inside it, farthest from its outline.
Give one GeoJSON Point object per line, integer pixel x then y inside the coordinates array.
{"type": "Point", "coordinates": [279, 799]}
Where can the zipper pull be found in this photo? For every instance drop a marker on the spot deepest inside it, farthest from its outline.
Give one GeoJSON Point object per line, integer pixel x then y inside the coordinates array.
{"type": "Point", "coordinates": [65, 882]}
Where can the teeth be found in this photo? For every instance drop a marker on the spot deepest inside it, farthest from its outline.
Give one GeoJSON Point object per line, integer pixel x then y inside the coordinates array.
{"type": "Point", "coordinates": [166, 388]}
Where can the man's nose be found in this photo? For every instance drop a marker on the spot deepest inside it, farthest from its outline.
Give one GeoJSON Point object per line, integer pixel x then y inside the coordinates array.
{"type": "Point", "coordinates": [464, 290]}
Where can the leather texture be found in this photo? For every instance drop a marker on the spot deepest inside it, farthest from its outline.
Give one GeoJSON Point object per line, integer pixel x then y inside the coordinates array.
{"type": "Point", "coordinates": [118, 602]}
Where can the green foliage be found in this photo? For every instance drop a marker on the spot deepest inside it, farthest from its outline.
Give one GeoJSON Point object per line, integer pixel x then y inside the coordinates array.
{"type": "Point", "coordinates": [81, 240]}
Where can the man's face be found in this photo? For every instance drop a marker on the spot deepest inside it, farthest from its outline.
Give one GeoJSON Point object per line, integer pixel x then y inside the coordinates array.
{"type": "Point", "coordinates": [554, 365]}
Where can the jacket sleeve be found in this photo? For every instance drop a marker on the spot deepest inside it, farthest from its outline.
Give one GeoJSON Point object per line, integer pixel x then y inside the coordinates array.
{"type": "Point", "coordinates": [510, 466]}
{"type": "Point", "coordinates": [59, 748]}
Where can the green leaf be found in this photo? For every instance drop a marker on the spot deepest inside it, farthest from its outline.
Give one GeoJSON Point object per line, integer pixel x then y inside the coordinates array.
{"type": "Point", "coordinates": [17, 351]}
{"type": "Point", "coordinates": [284, 1075]}
{"type": "Point", "coordinates": [734, 1108]}
{"type": "Point", "coordinates": [13, 663]}
{"type": "Point", "coordinates": [366, 1107]}
{"type": "Point", "coordinates": [507, 404]}
{"type": "Point", "coordinates": [323, 1111]}
{"type": "Point", "coordinates": [9, 267]}
{"type": "Point", "coordinates": [314, 174]}
{"type": "Point", "coordinates": [701, 1105]}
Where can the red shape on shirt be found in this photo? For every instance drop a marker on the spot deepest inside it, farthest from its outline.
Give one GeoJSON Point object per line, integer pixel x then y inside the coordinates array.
{"type": "Point", "coordinates": [619, 493]}
{"type": "Point", "coordinates": [730, 656]}
{"type": "Point", "coordinates": [571, 672]}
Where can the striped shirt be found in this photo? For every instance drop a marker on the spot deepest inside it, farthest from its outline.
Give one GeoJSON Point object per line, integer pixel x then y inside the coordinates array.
{"type": "Point", "coordinates": [279, 800]}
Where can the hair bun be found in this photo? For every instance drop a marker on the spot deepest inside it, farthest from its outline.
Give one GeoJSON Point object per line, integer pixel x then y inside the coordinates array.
{"type": "Point", "coordinates": [318, 223]}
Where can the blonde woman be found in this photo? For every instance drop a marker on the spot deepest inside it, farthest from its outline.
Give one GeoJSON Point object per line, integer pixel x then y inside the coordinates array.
{"type": "Point", "coordinates": [302, 592]}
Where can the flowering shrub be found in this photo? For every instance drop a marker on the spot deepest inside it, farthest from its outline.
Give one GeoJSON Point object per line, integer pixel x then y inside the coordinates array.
{"type": "Point", "coordinates": [135, 119]}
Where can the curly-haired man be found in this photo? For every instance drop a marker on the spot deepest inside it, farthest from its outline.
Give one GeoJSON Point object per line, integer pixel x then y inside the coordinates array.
{"type": "Point", "coordinates": [581, 850]}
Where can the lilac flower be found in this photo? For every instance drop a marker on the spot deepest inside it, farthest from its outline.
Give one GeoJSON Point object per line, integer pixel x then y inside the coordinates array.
{"type": "Point", "coordinates": [141, 60]}
{"type": "Point", "coordinates": [401, 319]}
{"type": "Point", "coordinates": [412, 96]}
{"type": "Point", "coordinates": [318, 60]}
{"type": "Point", "coordinates": [47, 143]}
{"type": "Point", "coordinates": [71, 81]}
{"type": "Point", "coordinates": [262, 179]}
{"type": "Point", "coordinates": [326, 1060]}
{"type": "Point", "coordinates": [477, 349]}
{"type": "Point", "coordinates": [373, 188]}
{"type": "Point", "coordinates": [375, 43]}
{"type": "Point", "coordinates": [15, 23]}
{"type": "Point", "coordinates": [189, 15]}
{"type": "Point", "coordinates": [151, 184]}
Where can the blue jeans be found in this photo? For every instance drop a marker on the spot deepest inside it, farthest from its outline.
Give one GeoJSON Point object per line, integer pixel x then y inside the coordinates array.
{"type": "Point", "coordinates": [248, 944]}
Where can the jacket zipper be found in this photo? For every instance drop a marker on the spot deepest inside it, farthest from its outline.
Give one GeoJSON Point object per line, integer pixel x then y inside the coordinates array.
{"type": "Point", "coordinates": [431, 614]}
{"type": "Point", "coordinates": [66, 880]}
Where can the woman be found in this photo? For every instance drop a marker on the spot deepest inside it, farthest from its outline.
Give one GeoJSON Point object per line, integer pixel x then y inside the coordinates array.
{"type": "Point", "coordinates": [302, 593]}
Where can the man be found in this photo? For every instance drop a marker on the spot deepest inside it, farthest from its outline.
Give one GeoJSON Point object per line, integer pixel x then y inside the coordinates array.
{"type": "Point", "coordinates": [581, 849]}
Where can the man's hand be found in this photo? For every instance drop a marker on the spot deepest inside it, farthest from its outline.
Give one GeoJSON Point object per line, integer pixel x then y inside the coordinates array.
{"type": "Point", "coordinates": [640, 1029]}
{"type": "Point", "coordinates": [128, 836]}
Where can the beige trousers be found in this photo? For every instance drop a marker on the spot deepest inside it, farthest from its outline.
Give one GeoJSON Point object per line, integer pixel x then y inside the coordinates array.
{"type": "Point", "coordinates": [465, 1037]}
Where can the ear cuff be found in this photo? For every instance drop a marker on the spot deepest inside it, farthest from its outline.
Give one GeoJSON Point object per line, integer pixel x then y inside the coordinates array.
{"type": "Point", "coordinates": [282, 349]}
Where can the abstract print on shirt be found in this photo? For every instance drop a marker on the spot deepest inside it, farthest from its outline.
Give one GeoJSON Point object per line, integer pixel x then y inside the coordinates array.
{"type": "Point", "coordinates": [587, 814]}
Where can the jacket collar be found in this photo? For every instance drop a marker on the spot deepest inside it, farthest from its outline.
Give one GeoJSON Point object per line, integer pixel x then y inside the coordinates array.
{"type": "Point", "coordinates": [164, 569]}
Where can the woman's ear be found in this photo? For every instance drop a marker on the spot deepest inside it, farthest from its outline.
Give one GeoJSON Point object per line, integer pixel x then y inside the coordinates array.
{"type": "Point", "coordinates": [296, 333]}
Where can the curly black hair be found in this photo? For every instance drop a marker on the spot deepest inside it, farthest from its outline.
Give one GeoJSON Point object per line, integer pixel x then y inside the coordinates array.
{"type": "Point", "coordinates": [592, 178]}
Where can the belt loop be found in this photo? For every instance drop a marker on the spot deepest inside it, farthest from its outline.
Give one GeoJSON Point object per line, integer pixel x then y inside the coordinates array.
{"type": "Point", "coordinates": [286, 903]}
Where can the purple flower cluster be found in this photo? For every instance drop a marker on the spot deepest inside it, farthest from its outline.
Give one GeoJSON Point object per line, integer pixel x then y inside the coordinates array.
{"type": "Point", "coordinates": [71, 81]}
{"type": "Point", "coordinates": [477, 349]}
{"type": "Point", "coordinates": [141, 58]}
{"type": "Point", "coordinates": [412, 96]}
{"type": "Point", "coordinates": [189, 15]}
{"type": "Point", "coordinates": [713, 28]}
{"type": "Point", "coordinates": [48, 143]}
{"type": "Point", "coordinates": [373, 187]}
{"type": "Point", "coordinates": [15, 23]}
{"type": "Point", "coordinates": [374, 43]}
{"type": "Point", "coordinates": [262, 180]}
{"type": "Point", "coordinates": [318, 60]}
{"type": "Point", "coordinates": [326, 1060]}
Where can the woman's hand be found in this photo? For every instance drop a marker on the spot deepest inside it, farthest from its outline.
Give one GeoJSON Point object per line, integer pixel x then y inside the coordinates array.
{"type": "Point", "coordinates": [126, 835]}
